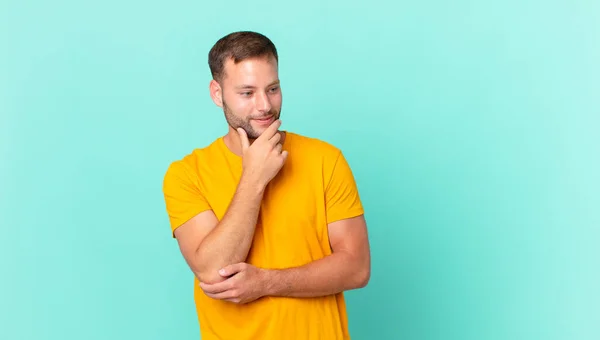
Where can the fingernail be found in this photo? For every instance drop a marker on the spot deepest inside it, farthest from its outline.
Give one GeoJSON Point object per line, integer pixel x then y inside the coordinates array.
{"type": "Point", "coordinates": [222, 271]}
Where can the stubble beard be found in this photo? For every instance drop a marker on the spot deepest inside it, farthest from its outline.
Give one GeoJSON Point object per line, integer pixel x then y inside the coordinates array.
{"type": "Point", "coordinates": [236, 122]}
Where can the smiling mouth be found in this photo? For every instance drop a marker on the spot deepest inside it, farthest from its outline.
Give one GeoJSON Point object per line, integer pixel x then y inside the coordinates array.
{"type": "Point", "coordinates": [264, 119]}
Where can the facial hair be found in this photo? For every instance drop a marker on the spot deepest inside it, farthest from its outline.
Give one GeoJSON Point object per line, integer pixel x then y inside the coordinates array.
{"type": "Point", "coordinates": [237, 122]}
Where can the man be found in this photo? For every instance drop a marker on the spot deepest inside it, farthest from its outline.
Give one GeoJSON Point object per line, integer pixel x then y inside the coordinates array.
{"type": "Point", "coordinates": [269, 221]}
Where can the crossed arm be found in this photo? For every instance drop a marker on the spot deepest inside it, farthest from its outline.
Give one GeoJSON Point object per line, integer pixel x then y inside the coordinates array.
{"type": "Point", "coordinates": [349, 266]}
{"type": "Point", "coordinates": [216, 251]}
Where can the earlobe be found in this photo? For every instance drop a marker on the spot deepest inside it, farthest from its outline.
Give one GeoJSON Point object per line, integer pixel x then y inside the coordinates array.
{"type": "Point", "coordinates": [216, 93]}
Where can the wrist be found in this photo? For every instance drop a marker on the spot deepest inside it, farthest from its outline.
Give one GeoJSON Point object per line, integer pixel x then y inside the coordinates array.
{"type": "Point", "coordinates": [271, 280]}
{"type": "Point", "coordinates": [251, 183]}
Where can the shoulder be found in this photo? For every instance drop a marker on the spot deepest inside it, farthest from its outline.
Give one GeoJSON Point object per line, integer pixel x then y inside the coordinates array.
{"type": "Point", "coordinates": [315, 147]}
{"type": "Point", "coordinates": [318, 155]}
{"type": "Point", "coordinates": [189, 165]}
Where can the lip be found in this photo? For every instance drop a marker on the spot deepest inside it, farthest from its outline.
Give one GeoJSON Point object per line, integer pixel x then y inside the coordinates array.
{"type": "Point", "coordinates": [265, 121]}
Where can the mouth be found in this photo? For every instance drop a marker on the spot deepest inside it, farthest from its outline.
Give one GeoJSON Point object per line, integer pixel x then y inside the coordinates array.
{"type": "Point", "coordinates": [265, 120]}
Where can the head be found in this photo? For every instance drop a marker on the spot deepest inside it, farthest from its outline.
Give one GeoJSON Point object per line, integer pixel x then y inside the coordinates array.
{"type": "Point", "coordinates": [244, 67]}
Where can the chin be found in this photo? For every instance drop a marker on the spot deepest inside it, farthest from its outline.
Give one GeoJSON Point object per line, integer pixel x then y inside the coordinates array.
{"type": "Point", "coordinates": [258, 130]}
{"type": "Point", "coordinates": [258, 133]}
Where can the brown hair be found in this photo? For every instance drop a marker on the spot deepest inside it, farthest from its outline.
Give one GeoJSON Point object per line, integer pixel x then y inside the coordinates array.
{"type": "Point", "coordinates": [238, 46]}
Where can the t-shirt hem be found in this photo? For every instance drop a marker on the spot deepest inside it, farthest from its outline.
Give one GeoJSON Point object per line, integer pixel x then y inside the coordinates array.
{"type": "Point", "coordinates": [175, 226]}
{"type": "Point", "coordinates": [346, 215]}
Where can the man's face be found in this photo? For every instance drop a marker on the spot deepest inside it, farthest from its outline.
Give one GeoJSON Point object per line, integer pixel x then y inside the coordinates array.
{"type": "Point", "coordinates": [251, 95]}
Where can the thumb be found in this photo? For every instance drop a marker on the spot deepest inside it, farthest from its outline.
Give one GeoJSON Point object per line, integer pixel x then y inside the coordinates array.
{"type": "Point", "coordinates": [243, 139]}
{"type": "Point", "coordinates": [231, 269]}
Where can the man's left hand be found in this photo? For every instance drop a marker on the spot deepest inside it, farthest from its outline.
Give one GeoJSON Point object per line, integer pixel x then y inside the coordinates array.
{"type": "Point", "coordinates": [244, 283]}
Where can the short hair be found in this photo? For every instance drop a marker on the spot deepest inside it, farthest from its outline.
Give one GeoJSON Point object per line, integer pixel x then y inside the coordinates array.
{"type": "Point", "coordinates": [239, 46]}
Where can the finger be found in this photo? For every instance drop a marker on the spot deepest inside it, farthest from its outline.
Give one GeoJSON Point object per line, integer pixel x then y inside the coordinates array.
{"type": "Point", "coordinates": [243, 138]}
{"type": "Point", "coordinates": [271, 130]}
{"type": "Point", "coordinates": [232, 269]}
{"type": "Point", "coordinates": [216, 287]}
{"type": "Point", "coordinates": [226, 295]}
{"type": "Point", "coordinates": [284, 154]}
{"type": "Point", "coordinates": [277, 149]}
{"type": "Point", "coordinates": [275, 139]}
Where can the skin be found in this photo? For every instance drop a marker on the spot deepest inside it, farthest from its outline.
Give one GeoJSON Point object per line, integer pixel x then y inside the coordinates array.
{"type": "Point", "coordinates": [216, 250]}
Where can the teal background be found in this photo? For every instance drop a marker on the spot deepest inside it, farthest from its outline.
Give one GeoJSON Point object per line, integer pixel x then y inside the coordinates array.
{"type": "Point", "coordinates": [472, 128]}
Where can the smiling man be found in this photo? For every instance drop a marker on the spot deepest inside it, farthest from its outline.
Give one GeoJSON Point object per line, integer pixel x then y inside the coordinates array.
{"type": "Point", "coordinates": [269, 221]}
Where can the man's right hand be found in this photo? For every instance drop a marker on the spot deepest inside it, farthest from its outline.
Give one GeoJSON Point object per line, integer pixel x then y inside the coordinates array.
{"type": "Point", "coordinates": [264, 158]}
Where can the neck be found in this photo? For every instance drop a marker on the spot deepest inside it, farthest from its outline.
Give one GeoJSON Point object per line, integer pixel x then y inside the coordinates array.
{"type": "Point", "coordinates": [233, 141]}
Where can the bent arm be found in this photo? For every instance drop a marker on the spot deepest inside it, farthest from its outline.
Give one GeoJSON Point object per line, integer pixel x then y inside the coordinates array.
{"type": "Point", "coordinates": [349, 267]}
{"type": "Point", "coordinates": [209, 245]}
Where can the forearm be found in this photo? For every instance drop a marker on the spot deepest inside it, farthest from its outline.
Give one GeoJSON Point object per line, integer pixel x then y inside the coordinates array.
{"type": "Point", "coordinates": [230, 241]}
{"type": "Point", "coordinates": [330, 275]}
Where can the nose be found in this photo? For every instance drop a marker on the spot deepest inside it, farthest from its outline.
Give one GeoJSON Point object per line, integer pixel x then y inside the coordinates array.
{"type": "Point", "coordinates": [263, 104]}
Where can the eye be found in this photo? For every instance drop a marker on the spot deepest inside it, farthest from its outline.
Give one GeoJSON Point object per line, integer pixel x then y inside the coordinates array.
{"type": "Point", "coordinates": [275, 89]}
{"type": "Point", "coordinates": [246, 93]}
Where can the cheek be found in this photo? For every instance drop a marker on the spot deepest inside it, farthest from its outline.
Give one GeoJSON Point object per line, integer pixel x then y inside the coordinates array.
{"type": "Point", "coordinates": [240, 106]}
{"type": "Point", "coordinates": [276, 100]}
{"type": "Point", "coordinates": [245, 107]}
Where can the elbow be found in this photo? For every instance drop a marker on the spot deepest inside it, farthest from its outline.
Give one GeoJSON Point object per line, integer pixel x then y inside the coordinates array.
{"type": "Point", "coordinates": [207, 273]}
{"type": "Point", "coordinates": [362, 277]}
{"type": "Point", "coordinates": [209, 277]}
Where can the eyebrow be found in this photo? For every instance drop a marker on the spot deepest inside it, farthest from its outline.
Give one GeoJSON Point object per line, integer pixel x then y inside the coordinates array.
{"type": "Point", "coordinates": [276, 82]}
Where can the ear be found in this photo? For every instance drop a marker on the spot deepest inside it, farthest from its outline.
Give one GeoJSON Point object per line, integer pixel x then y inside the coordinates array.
{"type": "Point", "coordinates": [216, 93]}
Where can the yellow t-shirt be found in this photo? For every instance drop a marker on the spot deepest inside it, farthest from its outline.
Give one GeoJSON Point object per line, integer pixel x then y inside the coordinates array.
{"type": "Point", "coordinates": [314, 187]}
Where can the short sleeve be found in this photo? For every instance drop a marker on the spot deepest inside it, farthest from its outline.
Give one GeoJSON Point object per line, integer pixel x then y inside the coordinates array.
{"type": "Point", "coordinates": [341, 193]}
{"type": "Point", "coordinates": [183, 198]}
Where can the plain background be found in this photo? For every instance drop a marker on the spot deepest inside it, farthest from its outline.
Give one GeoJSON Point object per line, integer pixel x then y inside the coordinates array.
{"type": "Point", "coordinates": [472, 128]}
